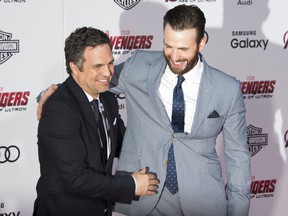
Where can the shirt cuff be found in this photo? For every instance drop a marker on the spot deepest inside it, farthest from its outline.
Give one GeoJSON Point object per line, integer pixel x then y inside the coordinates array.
{"type": "Point", "coordinates": [135, 184]}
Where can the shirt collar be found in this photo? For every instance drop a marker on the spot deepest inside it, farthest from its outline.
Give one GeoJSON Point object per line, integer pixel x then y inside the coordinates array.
{"type": "Point", "coordinates": [89, 97]}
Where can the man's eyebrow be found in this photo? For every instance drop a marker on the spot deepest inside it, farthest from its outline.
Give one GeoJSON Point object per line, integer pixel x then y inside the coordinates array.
{"type": "Point", "coordinates": [100, 64]}
{"type": "Point", "coordinates": [112, 61]}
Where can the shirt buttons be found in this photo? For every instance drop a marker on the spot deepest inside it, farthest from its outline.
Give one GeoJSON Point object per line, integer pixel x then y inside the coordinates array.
{"type": "Point", "coordinates": [165, 162]}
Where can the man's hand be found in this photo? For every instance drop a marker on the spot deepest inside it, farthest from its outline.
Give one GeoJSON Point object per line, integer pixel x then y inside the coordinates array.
{"type": "Point", "coordinates": [44, 96]}
{"type": "Point", "coordinates": [147, 183]}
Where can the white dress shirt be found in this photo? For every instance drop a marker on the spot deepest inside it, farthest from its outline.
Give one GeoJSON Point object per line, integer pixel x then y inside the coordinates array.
{"type": "Point", "coordinates": [190, 88]}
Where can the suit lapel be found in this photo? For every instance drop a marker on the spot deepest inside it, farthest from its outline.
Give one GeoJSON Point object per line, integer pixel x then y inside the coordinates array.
{"type": "Point", "coordinates": [204, 96]}
{"type": "Point", "coordinates": [154, 77]}
{"type": "Point", "coordinates": [83, 102]}
{"type": "Point", "coordinates": [85, 107]}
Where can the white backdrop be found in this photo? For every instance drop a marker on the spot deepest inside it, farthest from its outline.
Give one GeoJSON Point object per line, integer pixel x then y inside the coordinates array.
{"type": "Point", "coordinates": [247, 39]}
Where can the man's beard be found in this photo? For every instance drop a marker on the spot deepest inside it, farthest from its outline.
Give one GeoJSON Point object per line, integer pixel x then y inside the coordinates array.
{"type": "Point", "coordinates": [190, 65]}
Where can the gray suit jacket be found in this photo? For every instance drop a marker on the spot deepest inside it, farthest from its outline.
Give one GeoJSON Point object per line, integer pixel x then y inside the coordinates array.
{"type": "Point", "coordinates": [149, 135]}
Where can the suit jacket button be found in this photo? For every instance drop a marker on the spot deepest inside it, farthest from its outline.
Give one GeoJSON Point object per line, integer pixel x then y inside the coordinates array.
{"type": "Point", "coordinates": [165, 162]}
{"type": "Point", "coordinates": [173, 136]}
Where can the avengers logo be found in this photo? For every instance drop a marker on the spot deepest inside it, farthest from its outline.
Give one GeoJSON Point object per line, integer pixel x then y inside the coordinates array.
{"type": "Point", "coordinates": [9, 154]}
{"type": "Point", "coordinates": [263, 188]}
{"type": "Point", "coordinates": [13, 101]}
{"type": "Point", "coordinates": [257, 89]}
{"type": "Point", "coordinates": [126, 43]}
{"type": "Point", "coordinates": [127, 4]}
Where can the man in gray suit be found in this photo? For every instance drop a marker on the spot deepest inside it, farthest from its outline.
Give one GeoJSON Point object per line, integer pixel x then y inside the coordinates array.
{"type": "Point", "coordinates": [213, 103]}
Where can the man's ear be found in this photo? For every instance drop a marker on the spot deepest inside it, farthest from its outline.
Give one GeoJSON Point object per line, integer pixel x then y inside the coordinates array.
{"type": "Point", "coordinates": [202, 43]}
{"type": "Point", "coordinates": [74, 68]}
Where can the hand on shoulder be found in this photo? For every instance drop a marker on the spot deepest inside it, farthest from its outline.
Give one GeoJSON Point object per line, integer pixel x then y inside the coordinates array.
{"type": "Point", "coordinates": [45, 94]}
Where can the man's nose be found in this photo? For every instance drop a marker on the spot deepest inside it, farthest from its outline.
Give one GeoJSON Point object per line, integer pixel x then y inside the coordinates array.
{"type": "Point", "coordinates": [175, 55]}
{"type": "Point", "coordinates": [107, 71]}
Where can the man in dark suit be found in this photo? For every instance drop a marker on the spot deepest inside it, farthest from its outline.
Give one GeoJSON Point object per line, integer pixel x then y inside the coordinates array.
{"type": "Point", "coordinates": [75, 152]}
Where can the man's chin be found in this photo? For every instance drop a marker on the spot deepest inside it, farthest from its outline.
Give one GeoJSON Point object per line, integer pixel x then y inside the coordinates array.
{"type": "Point", "coordinates": [105, 89]}
{"type": "Point", "coordinates": [177, 71]}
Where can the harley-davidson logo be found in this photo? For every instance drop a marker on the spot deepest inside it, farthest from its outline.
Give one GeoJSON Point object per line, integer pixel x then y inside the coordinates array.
{"type": "Point", "coordinates": [7, 46]}
{"type": "Point", "coordinates": [127, 4]}
{"type": "Point", "coordinates": [256, 139]}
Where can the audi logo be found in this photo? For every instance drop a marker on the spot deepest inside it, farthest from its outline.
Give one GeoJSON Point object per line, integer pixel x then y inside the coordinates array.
{"type": "Point", "coordinates": [9, 154]}
{"type": "Point", "coordinates": [120, 96]}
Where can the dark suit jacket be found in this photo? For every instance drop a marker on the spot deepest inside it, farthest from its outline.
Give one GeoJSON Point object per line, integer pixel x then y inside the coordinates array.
{"type": "Point", "coordinates": [75, 178]}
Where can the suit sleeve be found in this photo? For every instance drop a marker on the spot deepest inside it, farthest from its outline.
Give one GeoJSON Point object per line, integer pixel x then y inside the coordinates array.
{"type": "Point", "coordinates": [120, 134]}
{"type": "Point", "coordinates": [117, 84]}
{"type": "Point", "coordinates": [62, 148]}
{"type": "Point", "coordinates": [237, 157]}
{"type": "Point", "coordinates": [117, 81]}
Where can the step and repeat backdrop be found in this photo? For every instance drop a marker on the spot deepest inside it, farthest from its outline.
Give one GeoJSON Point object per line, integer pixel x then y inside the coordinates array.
{"type": "Point", "coordinates": [246, 38]}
